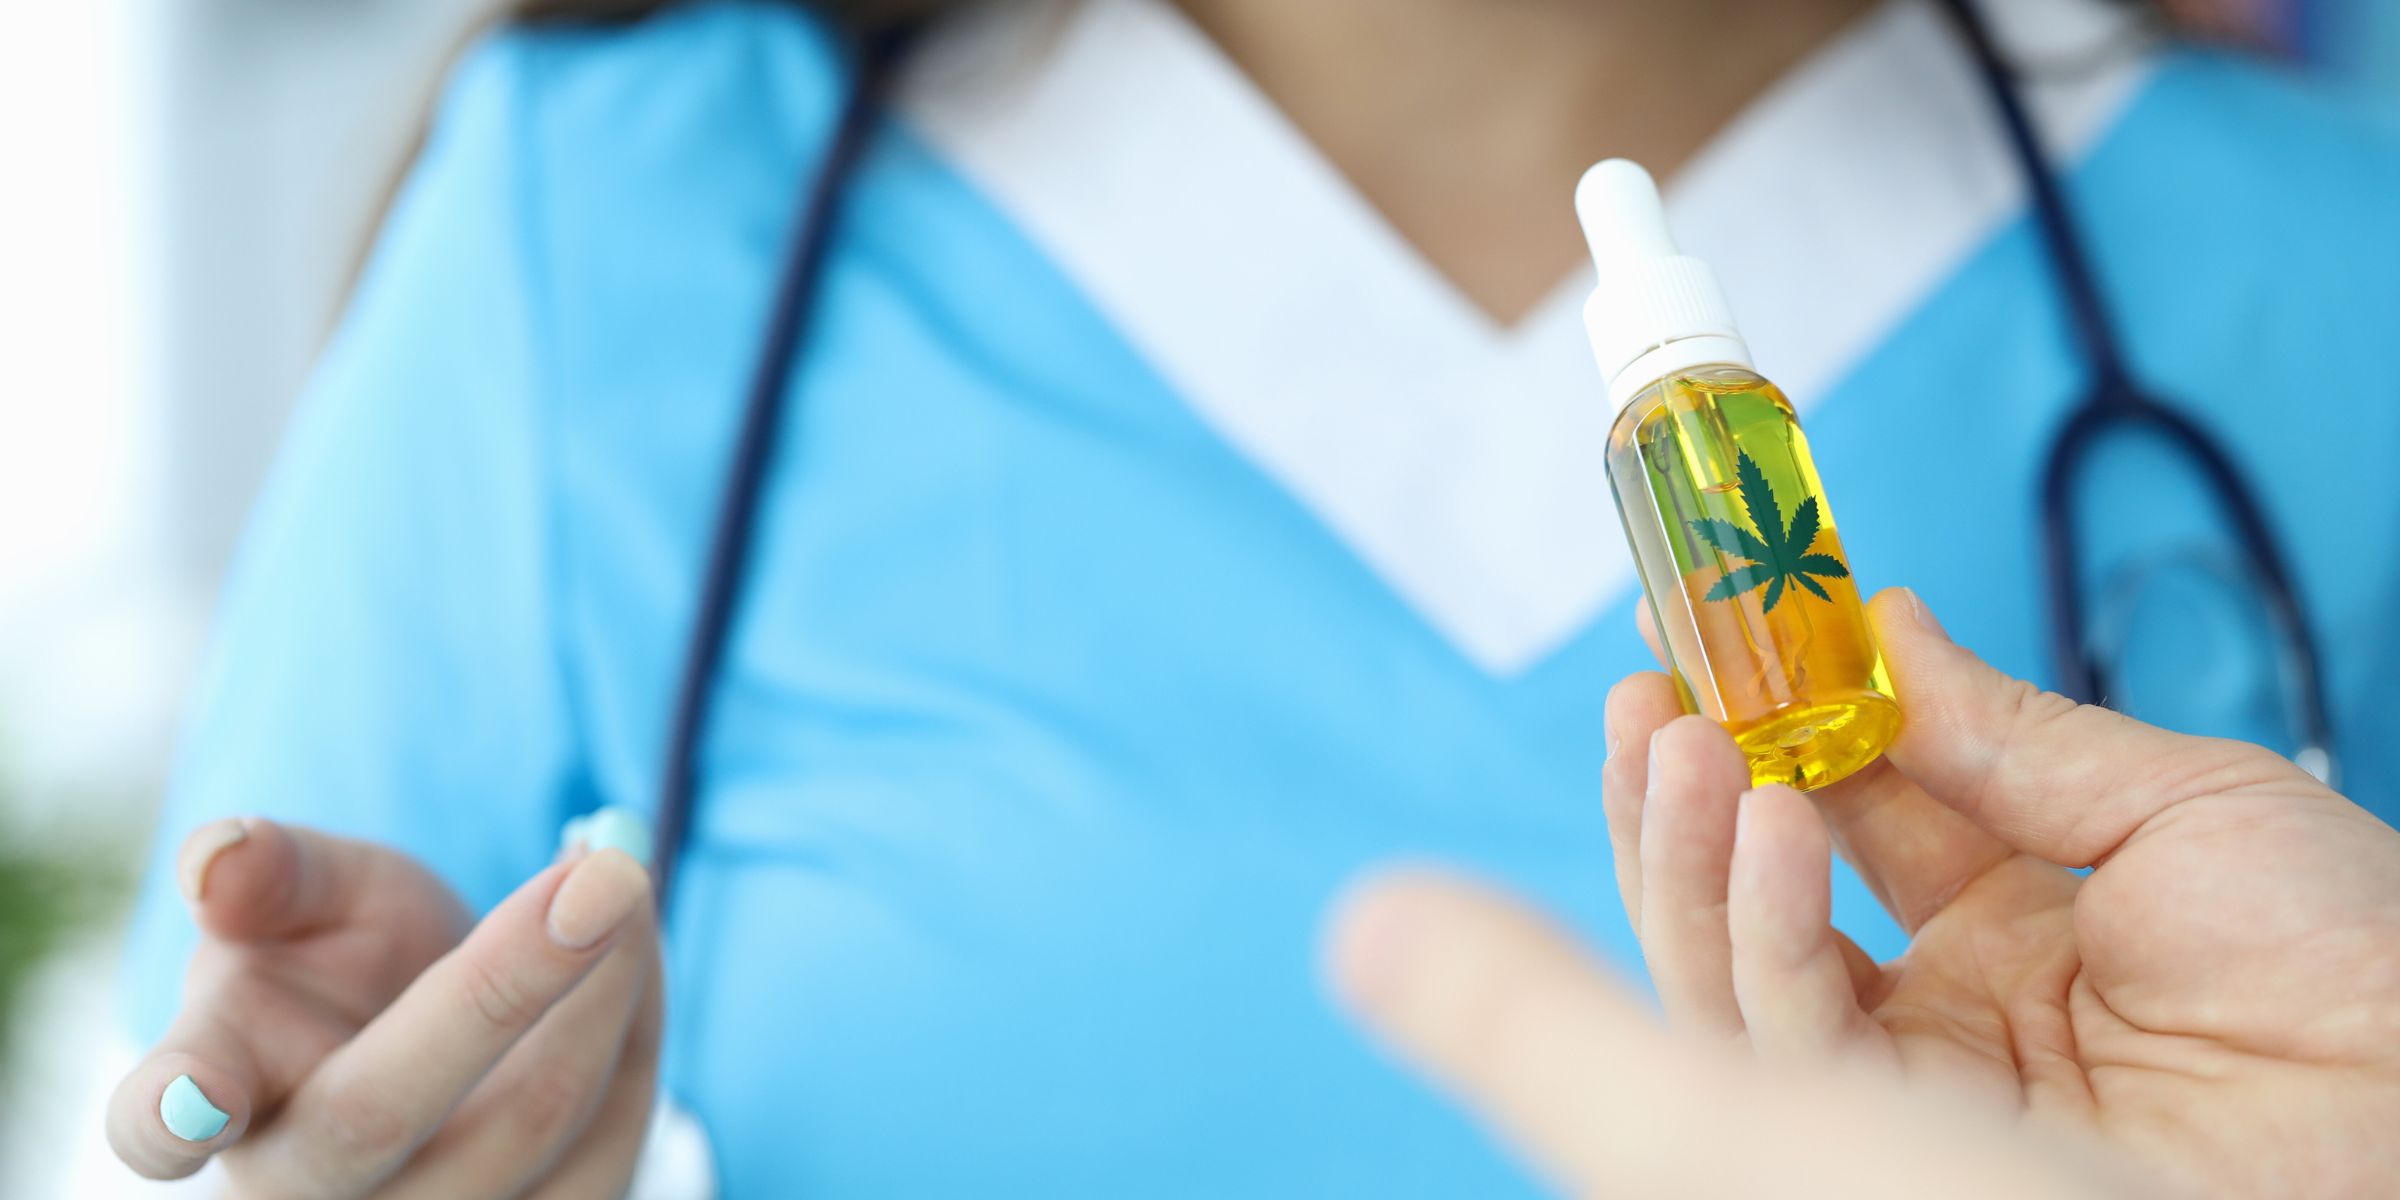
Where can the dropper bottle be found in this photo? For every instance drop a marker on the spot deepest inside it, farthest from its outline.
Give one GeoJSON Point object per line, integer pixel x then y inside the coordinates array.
{"type": "Point", "coordinates": [1757, 613]}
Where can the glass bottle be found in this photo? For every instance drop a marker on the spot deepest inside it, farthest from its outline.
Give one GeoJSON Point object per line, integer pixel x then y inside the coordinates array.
{"type": "Point", "coordinates": [1757, 613]}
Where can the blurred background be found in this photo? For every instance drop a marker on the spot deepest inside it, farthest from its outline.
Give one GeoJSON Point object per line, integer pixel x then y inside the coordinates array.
{"type": "Point", "coordinates": [195, 180]}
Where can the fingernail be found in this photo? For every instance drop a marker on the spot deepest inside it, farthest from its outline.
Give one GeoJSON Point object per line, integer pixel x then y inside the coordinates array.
{"type": "Point", "coordinates": [1923, 616]}
{"type": "Point", "coordinates": [187, 1112]}
{"type": "Point", "coordinates": [201, 850]}
{"type": "Point", "coordinates": [623, 829]}
{"type": "Point", "coordinates": [572, 836]}
{"type": "Point", "coordinates": [599, 893]}
{"type": "Point", "coordinates": [611, 828]}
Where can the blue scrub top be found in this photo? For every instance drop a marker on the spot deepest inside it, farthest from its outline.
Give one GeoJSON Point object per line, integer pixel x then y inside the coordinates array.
{"type": "Point", "coordinates": [1050, 721]}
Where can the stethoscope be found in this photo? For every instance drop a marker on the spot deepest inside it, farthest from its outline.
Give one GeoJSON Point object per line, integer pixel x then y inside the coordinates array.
{"type": "Point", "coordinates": [2115, 402]}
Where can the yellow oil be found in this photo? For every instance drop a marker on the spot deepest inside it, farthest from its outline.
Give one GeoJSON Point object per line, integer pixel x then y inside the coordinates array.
{"type": "Point", "coordinates": [1762, 627]}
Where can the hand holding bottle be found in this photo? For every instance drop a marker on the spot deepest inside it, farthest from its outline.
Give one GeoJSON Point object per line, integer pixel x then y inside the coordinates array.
{"type": "Point", "coordinates": [2216, 1004]}
{"type": "Point", "coordinates": [348, 1030]}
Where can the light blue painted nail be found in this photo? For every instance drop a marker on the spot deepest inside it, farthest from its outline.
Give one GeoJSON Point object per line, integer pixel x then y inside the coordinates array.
{"type": "Point", "coordinates": [574, 833]}
{"type": "Point", "coordinates": [616, 828]}
{"type": "Point", "coordinates": [188, 1113]}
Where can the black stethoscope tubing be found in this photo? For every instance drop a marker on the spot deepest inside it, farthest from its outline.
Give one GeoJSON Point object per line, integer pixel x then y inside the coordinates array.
{"type": "Point", "coordinates": [763, 408]}
{"type": "Point", "coordinates": [2117, 402]}
{"type": "Point", "coordinates": [2114, 401]}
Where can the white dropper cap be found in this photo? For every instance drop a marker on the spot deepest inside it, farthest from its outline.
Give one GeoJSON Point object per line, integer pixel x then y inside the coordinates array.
{"type": "Point", "coordinates": [1655, 311]}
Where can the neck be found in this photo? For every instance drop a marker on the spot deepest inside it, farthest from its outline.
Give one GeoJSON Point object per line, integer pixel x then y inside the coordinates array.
{"type": "Point", "coordinates": [1467, 122]}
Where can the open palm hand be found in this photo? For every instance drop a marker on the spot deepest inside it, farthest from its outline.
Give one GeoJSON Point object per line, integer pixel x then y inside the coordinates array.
{"type": "Point", "coordinates": [2219, 998]}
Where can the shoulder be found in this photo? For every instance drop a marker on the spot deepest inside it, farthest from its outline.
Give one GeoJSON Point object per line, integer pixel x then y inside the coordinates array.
{"type": "Point", "coordinates": [2234, 156]}
{"type": "Point", "coordinates": [581, 99]}
{"type": "Point", "coordinates": [2235, 107]}
{"type": "Point", "coordinates": [561, 138]}
{"type": "Point", "coordinates": [642, 174]}
{"type": "Point", "coordinates": [2242, 211]}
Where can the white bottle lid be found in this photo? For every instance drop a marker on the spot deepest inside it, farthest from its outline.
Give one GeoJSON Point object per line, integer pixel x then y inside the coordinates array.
{"type": "Point", "coordinates": [1655, 311]}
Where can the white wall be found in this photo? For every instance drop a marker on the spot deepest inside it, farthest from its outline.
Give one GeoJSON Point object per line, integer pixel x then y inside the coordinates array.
{"type": "Point", "coordinates": [190, 183]}
{"type": "Point", "coordinates": [187, 183]}
{"type": "Point", "coordinates": [288, 120]}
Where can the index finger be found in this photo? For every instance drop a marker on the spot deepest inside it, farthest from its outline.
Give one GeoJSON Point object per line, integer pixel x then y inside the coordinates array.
{"type": "Point", "coordinates": [1645, 622]}
{"type": "Point", "coordinates": [1506, 1011]}
{"type": "Point", "coordinates": [1638, 707]}
{"type": "Point", "coordinates": [371, 1103]}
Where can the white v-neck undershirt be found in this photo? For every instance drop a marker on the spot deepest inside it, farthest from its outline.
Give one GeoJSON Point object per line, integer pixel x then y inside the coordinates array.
{"type": "Point", "coordinates": [1459, 458]}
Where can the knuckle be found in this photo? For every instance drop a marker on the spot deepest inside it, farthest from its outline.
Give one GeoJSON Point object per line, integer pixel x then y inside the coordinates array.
{"type": "Point", "coordinates": [2247, 763]}
{"type": "Point", "coordinates": [2032, 709]}
{"type": "Point", "coordinates": [2210, 766]}
{"type": "Point", "coordinates": [500, 997]}
{"type": "Point", "coordinates": [361, 1125]}
{"type": "Point", "coordinates": [2027, 713]}
{"type": "Point", "coordinates": [547, 1105]}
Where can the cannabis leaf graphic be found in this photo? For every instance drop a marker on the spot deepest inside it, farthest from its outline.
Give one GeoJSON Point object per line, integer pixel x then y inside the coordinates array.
{"type": "Point", "coordinates": [1778, 555]}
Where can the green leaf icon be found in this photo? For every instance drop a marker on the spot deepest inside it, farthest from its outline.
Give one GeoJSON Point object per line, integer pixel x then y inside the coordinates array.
{"type": "Point", "coordinates": [1778, 554]}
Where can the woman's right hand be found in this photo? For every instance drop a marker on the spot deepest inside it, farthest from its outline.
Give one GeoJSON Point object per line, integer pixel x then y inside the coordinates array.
{"type": "Point", "coordinates": [348, 1029]}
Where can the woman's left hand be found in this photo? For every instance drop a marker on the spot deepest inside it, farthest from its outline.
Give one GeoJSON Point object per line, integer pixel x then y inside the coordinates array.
{"type": "Point", "coordinates": [347, 1029]}
{"type": "Point", "coordinates": [2217, 1001]}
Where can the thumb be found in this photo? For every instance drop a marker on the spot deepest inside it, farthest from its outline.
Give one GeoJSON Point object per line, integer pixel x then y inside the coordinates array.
{"type": "Point", "coordinates": [2064, 781]}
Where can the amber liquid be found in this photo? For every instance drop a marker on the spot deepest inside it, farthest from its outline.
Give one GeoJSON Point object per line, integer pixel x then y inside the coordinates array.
{"type": "Point", "coordinates": [1762, 627]}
